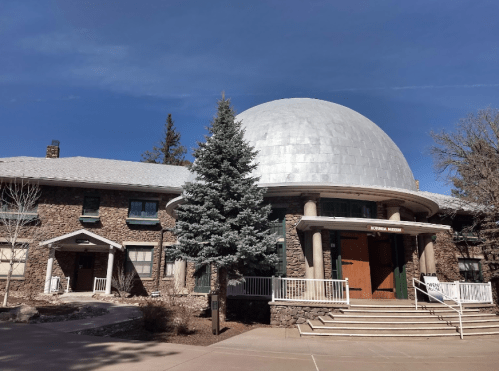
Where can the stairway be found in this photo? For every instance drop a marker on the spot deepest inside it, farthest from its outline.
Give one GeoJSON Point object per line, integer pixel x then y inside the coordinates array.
{"type": "Point", "coordinates": [431, 320]}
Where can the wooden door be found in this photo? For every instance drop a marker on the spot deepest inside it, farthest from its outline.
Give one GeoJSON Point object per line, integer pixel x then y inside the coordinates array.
{"type": "Point", "coordinates": [381, 263]}
{"type": "Point", "coordinates": [355, 264]}
{"type": "Point", "coordinates": [84, 272]}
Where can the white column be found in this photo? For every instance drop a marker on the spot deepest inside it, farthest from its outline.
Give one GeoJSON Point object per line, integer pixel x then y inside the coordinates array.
{"type": "Point", "coordinates": [50, 266]}
{"type": "Point", "coordinates": [179, 274]}
{"type": "Point", "coordinates": [393, 209]}
{"type": "Point", "coordinates": [110, 263]}
{"type": "Point", "coordinates": [318, 255]}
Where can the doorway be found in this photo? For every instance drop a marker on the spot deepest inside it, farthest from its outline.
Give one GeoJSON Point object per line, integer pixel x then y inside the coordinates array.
{"type": "Point", "coordinates": [373, 263]}
{"type": "Point", "coordinates": [381, 264]}
{"type": "Point", "coordinates": [355, 264]}
{"type": "Point", "coordinates": [84, 271]}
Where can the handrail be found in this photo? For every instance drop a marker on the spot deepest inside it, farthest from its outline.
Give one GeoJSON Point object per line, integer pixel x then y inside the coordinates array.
{"type": "Point", "coordinates": [459, 312]}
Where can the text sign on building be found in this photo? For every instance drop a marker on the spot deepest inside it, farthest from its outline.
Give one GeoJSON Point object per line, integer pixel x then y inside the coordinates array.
{"type": "Point", "coordinates": [378, 228]}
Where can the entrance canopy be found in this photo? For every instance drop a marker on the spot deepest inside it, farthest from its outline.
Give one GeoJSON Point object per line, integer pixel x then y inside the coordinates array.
{"type": "Point", "coordinates": [369, 225]}
{"type": "Point", "coordinates": [81, 240]}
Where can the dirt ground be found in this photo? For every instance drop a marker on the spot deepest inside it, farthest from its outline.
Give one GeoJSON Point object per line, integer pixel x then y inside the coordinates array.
{"type": "Point", "coordinates": [199, 333]}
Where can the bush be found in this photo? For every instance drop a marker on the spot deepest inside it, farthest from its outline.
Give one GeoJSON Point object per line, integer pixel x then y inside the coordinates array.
{"type": "Point", "coordinates": [161, 316]}
{"type": "Point", "coordinates": [156, 317]}
{"type": "Point", "coordinates": [123, 282]}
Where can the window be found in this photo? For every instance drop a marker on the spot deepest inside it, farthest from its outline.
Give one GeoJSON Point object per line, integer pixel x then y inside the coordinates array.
{"type": "Point", "coordinates": [348, 208]}
{"type": "Point", "coordinates": [91, 206]}
{"type": "Point", "coordinates": [281, 255]}
{"type": "Point", "coordinates": [19, 259]}
{"type": "Point", "coordinates": [169, 269]}
{"type": "Point", "coordinates": [470, 270]}
{"type": "Point", "coordinates": [139, 259]}
{"type": "Point", "coordinates": [143, 209]}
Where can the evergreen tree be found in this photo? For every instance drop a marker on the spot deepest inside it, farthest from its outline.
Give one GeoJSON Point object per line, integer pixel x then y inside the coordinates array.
{"type": "Point", "coordinates": [223, 221]}
{"type": "Point", "coordinates": [170, 151]}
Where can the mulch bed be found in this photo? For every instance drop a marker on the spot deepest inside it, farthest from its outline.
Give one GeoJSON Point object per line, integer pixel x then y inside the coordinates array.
{"type": "Point", "coordinates": [199, 333]}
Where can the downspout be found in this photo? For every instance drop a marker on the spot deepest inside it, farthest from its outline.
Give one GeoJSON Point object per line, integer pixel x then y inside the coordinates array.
{"type": "Point", "coordinates": [160, 254]}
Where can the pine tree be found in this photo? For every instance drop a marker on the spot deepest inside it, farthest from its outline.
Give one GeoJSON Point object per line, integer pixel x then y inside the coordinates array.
{"type": "Point", "coordinates": [223, 221]}
{"type": "Point", "coordinates": [170, 151]}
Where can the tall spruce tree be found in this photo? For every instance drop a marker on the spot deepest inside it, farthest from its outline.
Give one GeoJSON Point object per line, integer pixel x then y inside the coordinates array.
{"type": "Point", "coordinates": [223, 221]}
{"type": "Point", "coordinates": [169, 151]}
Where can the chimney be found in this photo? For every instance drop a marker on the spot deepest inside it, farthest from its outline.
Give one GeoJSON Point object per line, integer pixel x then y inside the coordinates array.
{"type": "Point", "coordinates": [53, 149]}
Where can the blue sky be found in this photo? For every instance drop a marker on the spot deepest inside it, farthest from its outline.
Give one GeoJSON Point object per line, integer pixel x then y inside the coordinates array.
{"type": "Point", "coordinates": [102, 76]}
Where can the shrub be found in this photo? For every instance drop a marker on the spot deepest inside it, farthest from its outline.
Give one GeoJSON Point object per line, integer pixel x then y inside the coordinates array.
{"type": "Point", "coordinates": [123, 282]}
{"type": "Point", "coordinates": [156, 316]}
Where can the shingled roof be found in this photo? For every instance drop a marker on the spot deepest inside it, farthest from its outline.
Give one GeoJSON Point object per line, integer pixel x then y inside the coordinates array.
{"type": "Point", "coordinates": [96, 172]}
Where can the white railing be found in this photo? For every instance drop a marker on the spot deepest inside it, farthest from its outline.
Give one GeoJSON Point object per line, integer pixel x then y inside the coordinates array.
{"type": "Point", "coordinates": [444, 296]}
{"type": "Point", "coordinates": [251, 286]}
{"type": "Point", "coordinates": [99, 284]}
{"type": "Point", "coordinates": [54, 284]}
{"type": "Point", "coordinates": [310, 290]}
{"type": "Point", "coordinates": [67, 284]}
{"type": "Point", "coordinates": [466, 292]}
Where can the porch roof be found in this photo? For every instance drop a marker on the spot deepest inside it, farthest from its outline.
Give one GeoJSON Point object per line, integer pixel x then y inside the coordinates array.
{"type": "Point", "coordinates": [92, 240]}
{"type": "Point", "coordinates": [369, 225]}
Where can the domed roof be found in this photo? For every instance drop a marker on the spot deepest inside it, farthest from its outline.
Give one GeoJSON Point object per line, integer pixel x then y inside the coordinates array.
{"type": "Point", "coordinates": [303, 140]}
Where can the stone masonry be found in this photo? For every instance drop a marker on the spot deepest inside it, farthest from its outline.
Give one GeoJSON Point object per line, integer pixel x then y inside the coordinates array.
{"type": "Point", "coordinates": [59, 209]}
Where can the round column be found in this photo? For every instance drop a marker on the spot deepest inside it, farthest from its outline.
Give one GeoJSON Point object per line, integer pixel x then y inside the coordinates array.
{"type": "Point", "coordinates": [48, 275]}
{"type": "Point", "coordinates": [317, 253]}
{"type": "Point", "coordinates": [179, 273]}
{"type": "Point", "coordinates": [310, 209]}
{"type": "Point", "coordinates": [421, 218]}
{"type": "Point", "coordinates": [429, 253]}
{"type": "Point", "coordinates": [393, 209]}
{"type": "Point", "coordinates": [109, 276]}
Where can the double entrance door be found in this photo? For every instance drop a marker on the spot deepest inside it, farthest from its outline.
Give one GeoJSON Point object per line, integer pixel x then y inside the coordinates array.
{"type": "Point", "coordinates": [374, 264]}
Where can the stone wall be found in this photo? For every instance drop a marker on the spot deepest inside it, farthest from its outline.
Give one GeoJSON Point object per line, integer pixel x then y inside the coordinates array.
{"type": "Point", "coordinates": [59, 209]}
{"type": "Point", "coordinates": [291, 314]}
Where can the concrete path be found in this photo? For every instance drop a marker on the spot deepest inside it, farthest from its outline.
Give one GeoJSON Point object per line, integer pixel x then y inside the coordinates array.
{"type": "Point", "coordinates": [117, 313]}
{"type": "Point", "coordinates": [30, 347]}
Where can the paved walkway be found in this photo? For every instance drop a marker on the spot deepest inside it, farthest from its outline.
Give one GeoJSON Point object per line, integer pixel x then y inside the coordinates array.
{"type": "Point", "coordinates": [117, 313]}
{"type": "Point", "coordinates": [32, 347]}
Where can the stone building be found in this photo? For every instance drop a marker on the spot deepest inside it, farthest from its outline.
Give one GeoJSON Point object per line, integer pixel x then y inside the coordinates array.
{"type": "Point", "coordinates": [345, 200]}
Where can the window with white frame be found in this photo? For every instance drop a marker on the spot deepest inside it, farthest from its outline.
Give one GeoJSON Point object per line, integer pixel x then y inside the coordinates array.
{"type": "Point", "coordinates": [19, 261]}
{"type": "Point", "coordinates": [470, 270]}
{"type": "Point", "coordinates": [169, 269]}
{"type": "Point", "coordinates": [140, 260]}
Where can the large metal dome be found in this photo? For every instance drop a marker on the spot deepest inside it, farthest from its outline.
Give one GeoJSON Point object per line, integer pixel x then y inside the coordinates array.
{"type": "Point", "coordinates": [304, 140]}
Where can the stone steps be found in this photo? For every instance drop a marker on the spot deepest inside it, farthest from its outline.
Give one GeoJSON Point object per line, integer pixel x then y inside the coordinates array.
{"type": "Point", "coordinates": [400, 321]}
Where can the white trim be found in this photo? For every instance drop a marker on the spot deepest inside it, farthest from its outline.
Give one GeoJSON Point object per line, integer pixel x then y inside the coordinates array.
{"type": "Point", "coordinates": [82, 231]}
{"type": "Point", "coordinates": [140, 243]}
{"type": "Point", "coordinates": [360, 224]}
{"type": "Point", "coordinates": [20, 240]}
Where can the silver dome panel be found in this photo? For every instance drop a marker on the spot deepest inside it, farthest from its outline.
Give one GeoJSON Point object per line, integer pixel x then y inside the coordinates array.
{"type": "Point", "coordinates": [304, 140]}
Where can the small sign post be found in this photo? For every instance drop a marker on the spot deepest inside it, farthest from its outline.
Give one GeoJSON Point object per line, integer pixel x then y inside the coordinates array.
{"type": "Point", "coordinates": [215, 319]}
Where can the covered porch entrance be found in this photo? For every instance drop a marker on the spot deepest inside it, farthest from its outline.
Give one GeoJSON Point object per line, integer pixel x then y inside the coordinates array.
{"type": "Point", "coordinates": [81, 261]}
{"type": "Point", "coordinates": [373, 262]}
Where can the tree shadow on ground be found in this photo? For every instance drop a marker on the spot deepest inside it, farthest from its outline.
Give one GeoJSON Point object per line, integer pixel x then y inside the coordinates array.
{"type": "Point", "coordinates": [29, 347]}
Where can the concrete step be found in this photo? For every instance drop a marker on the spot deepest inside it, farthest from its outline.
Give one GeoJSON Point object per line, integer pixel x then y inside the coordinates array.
{"type": "Point", "coordinates": [412, 311]}
{"type": "Point", "coordinates": [377, 329]}
{"type": "Point", "coordinates": [404, 325]}
{"type": "Point", "coordinates": [411, 316]}
{"type": "Point", "coordinates": [407, 321]}
{"type": "Point", "coordinates": [306, 330]}
{"type": "Point", "coordinates": [401, 306]}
